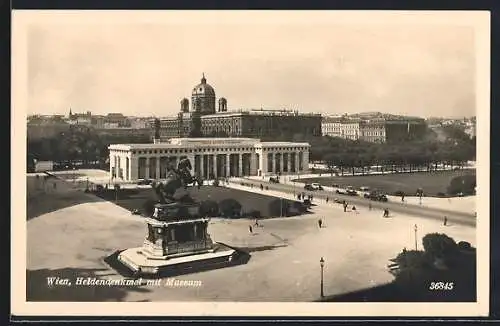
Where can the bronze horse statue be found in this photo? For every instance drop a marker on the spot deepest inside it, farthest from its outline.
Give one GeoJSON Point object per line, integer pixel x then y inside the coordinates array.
{"type": "Point", "coordinates": [176, 178]}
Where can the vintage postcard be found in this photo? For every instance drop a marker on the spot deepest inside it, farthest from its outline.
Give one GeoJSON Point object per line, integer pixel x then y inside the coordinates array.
{"type": "Point", "coordinates": [248, 163]}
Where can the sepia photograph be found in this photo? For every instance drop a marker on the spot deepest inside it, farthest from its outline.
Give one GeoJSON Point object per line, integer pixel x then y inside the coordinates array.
{"type": "Point", "coordinates": [250, 163]}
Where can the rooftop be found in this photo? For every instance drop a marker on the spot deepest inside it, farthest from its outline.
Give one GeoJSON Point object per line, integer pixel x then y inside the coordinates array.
{"type": "Point", "coordinates": [254, 112]}
{"type": "Point", "coordinates": [198, 142]}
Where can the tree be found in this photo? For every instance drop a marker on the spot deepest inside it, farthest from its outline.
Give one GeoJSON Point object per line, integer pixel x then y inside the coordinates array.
{"type": "Point", "coordinates": [465, 184]}
{"type": "Point", "coordinates": [209, 208]}
{"type": "Point", "coordinates": [230, 207]}
{"type": "Point", "coordinates": [331, 160]}
{"type": "Point", "coordinates": [439, 245]}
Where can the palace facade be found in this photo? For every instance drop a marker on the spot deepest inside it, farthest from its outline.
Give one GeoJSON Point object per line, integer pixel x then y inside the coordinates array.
{"type": "Point", "coordinates": [375, 130]}
{"type": "Point", "coordinates": [210, 158]}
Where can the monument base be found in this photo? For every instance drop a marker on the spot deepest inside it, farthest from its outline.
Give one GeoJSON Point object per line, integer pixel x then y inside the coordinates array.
{"type": "Point", "coordinates": [138, 262]}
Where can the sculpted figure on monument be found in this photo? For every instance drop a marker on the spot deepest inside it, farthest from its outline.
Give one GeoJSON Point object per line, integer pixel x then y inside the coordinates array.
{"type": "Point", "coordinates": [176, 178]}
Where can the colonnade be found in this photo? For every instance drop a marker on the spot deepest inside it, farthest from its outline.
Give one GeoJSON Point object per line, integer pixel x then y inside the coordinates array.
{"type": "Point", "coordinates": [206, 166]}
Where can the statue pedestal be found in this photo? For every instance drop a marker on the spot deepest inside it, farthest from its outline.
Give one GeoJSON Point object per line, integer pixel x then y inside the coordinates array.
{"type": "Point", "coordinates": [177, 238]}
{"type": "Point", "coordinates": [177, 242]}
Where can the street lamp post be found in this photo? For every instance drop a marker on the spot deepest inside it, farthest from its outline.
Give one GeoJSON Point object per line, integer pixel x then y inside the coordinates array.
{"type": "Point", "coordinates": [322, 264]}
{"type": "Point", "coordinates": [415, 228]}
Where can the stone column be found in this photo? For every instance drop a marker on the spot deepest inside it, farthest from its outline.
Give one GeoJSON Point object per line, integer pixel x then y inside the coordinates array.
{"type": "Point", "coordinates": [228, 165]}
{"type": "Point", "coordinates": [273, 163]}
{"type": "Point", "coordinates": [133, 168]}
{"type": "Point", "coordinates": [111, 164]}
{"type": "Point", "coordinates": [289, 162]}
{"type": "Point", "coordinates": [157, 167]}
{"type": "Point", "coordinates": [240, 164]}
{"type": "Point", "coordinates": [214, 165]}
{"type": "Point", "coordinates": [147, 168]}
{"type": "Point", "coordinates": [202, 166]}
{"type": "Point", "coordinates": [306, 159]}
{"type": "Point", "coordinates": [263, 162]}
{"type": "Point", "coordinates": [117, 169]}
{"type": "Point", "coordinates": [191, 159]}
{"type": "Point", "coordinates": [297, 166]}
{"type": "Point", "coordinates": [281, 163]}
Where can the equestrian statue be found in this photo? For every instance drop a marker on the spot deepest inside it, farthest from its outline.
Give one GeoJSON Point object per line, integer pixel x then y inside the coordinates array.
{"type": "Point", "coordinates": [177, 178]}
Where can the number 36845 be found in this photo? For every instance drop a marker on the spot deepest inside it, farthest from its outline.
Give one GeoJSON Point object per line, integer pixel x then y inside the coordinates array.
{"type": "Point", "coordinates": [437, 286]}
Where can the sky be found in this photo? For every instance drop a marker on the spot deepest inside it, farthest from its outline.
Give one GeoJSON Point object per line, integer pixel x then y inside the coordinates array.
{"type": "Point", "coordinates": [144, 68]}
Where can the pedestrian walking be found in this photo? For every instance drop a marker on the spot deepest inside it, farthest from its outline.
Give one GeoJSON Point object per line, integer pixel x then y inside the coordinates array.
{"type": "Point", "coordinates": [256, 222]}
{"type": "Point", "coordinates": [402, 198]}
{"type": "Point", "coordinates": [261, 187]}
{"type": "Point", "coordinates": [327, 199]}
{"type": "Point", "coordinates": [445, 221]}
{"type": "Point", "coordinates": [345, 206]}
{"type": "Point", "coordinates": [250, 229]}
{"type": "Point", "coordinates": [320, 223]}
{"type": "Point", "coordinates": [298, 197]}
{"type": "Point", "coordinates": [386, 212]}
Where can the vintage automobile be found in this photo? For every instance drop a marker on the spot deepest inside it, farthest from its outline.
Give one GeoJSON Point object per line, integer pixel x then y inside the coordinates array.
{"type": "Point", "coordinates": [377, 196]}
{"type": "Point", "coordinates": [313, 186]}
{"type": "Point", "coordinates": [317, 186]}
{"type": "Point", "coordinates": [144, 182]}
{"type": "Point", "coordinates": [274, 180]}
{"type": "Point", "coordinates": [347, 191]}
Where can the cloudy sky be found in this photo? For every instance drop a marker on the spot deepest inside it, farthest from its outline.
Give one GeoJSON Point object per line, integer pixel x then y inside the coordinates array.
{"type": "Point", "coordinates": [145, 68]}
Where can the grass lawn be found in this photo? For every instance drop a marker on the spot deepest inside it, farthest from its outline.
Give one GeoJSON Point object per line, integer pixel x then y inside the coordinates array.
{"type": "Point", "coordinates": [431, 182]}
{"type": "Point", "coordinates": [134, 198]}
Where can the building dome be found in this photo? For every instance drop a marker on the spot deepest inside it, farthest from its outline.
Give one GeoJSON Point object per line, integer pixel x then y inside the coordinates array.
{"type": "Point", "coordinates": [203, 88]}
{"type": "Point", "coordinates": [203, 98]}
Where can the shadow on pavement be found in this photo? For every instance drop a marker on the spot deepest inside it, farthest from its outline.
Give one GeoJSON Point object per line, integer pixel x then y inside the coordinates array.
{"type": "Point", "coordinates": [241, 257]}
{"type": "Point", "coordinates": [44, 203]}
{"type": "Point", "coordinates": [37, 288]}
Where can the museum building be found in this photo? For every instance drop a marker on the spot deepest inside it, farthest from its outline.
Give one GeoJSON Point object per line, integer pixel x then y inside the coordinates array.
{"type": "Point", "coordinates": [210, 158]}
{"type": "Point", "coordinates": [205, 119]}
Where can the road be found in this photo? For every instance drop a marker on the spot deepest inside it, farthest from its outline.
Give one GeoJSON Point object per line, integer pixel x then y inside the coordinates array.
{"type": "Point", "coordinates": [453, 217]}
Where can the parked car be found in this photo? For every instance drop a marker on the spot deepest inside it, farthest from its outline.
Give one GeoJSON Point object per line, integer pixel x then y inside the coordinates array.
{"type": "Point", "coordinates": [364, 188]}
{"type": "Point", "coordinates": [144, 182]}
{"type": "Point", "coordinates": [135, 212]}
{"type": "Point", "coordinates": [341, 191]}
{"type": "Point", "coordinates": [374, 195]}
{"type": "Point", "coordinates": [274, 180]}
{"type": "Point", "coordinates": [317, 186]}
{"type": "Point", "coordinates": [347, 191]}
{"type": "Point", "coordinates": [308, 186]}
{"type": "Point", "coordinates": [351, 191]}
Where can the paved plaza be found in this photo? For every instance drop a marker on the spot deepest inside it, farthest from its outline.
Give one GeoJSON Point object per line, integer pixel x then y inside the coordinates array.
{"type": "Point", "coordinates": [79, 230]}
